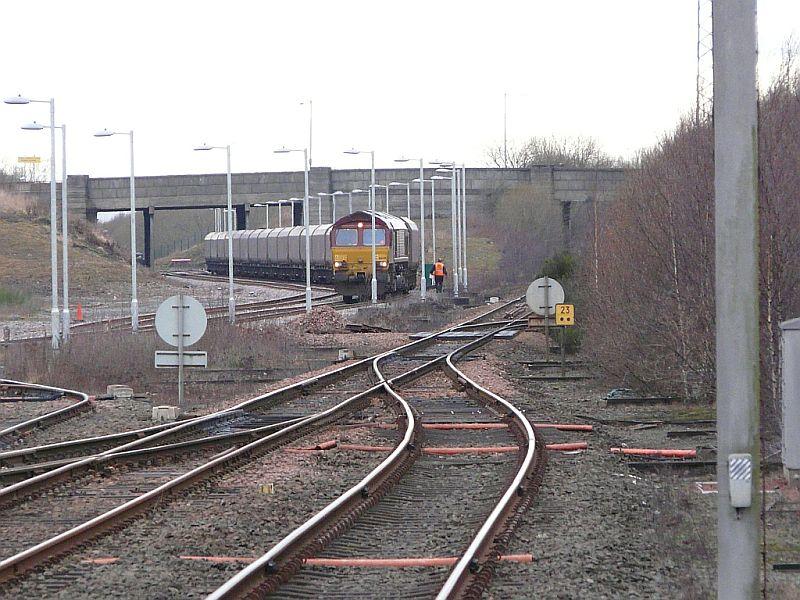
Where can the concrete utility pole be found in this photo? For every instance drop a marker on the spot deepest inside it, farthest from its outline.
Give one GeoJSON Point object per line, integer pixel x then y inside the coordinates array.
{"type": "Point", "coordinates": [737, 314]}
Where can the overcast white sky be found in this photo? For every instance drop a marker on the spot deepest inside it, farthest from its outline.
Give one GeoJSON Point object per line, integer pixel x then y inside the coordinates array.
{"type": "Point", "coordinates": [408, 77]}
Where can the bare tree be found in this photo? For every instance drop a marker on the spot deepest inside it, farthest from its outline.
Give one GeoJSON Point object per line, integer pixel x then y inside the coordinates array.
{"type": "Point", "coordinates": [651, 309]}
{"type": "Point", "coordinates": [569, 152]}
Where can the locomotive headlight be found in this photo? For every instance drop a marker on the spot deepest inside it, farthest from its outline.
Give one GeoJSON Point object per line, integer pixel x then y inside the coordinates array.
{"type": "Point", "coordinates": [337, 264]}
{"type": "Point", "coordinates": [383, 264]}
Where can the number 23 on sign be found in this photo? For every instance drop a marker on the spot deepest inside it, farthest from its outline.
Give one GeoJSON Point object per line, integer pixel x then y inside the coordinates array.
{"type": "Point", "coordinates": [565, 314]}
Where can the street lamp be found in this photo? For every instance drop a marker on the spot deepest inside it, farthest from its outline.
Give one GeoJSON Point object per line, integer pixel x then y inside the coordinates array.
{"type": "Point", "coordinates": [134, 299]}
{"type": "Point", "coordinates": [333, 202]}
{"type": "Point", "coordinates": [386, 187]}
{"type": "Point", "coordinates": [54, 325]}
{"type": "Point", "coordinates": [453, 221]}
{"type": "Point", "coordinates": [459, 173]}
{"type": "Point", "coordinates": [306, 219]}
{"type": "Point", "coordinates": [408, 195]}
{"type": "Point", "coordinates": [464, 220]}
{"type": "Point", "coordinates": [350, 199]}
{"type": "Point", "coordinates": [423, 285]}
{"type": "Point", "coordinates": [231, 300]}
{"type": "Point", "coordinates": [64, 230]}
{"type": "Point", "coordinates": [292, 202]}
{"type": "Point", "coordinates": [374, 284]}
{"type": "Point", "coordinates": [434, 179]}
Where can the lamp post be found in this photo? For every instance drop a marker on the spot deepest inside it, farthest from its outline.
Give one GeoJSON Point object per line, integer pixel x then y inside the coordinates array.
{"type": "Point", "coordinates": [292, 202]}
{"type": "Point", "coordinates": [231, 299]}
{"type": "Point", "coordinates": [374, 284]}
{"type": "Point", "coordinates": [464, 223]}
{"type": "Point", "coordinates": [134, 299]}
{"type": "Point", "coordinates": [64, 229]}
{"type": "Point", "coordinates": [453, 221]}
{"type": "Point", "coordinates": [408, 195]}
{"type": "Point", "coordinates": [350, 194]}
{"type": "Point", "coordinates": [310, 125]}
{"type": "Point", "coordinates": [423, 285]}
{"type": "Point", "coordinates": [333, 202]}
{"type": "Point", "coordinates": [434, 179]}
{"type": "Point", "coordinates": [306, 219]}
{"type": "Point", "coordinates": [54, 320]}
{"type": "Point", "coordinates": [386, 187]}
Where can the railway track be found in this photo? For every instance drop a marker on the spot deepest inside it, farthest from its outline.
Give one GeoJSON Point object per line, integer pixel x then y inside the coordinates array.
{"type": "Point", "coordinates": [233, 457]}
{"type": "Point", "coordinates": [432, 501]}
{"type": "Point", "coordinates": [245, 311]}
{"type": "Point", "coordinates": [205, 276]}
{"type": "Point", "coordinates": [25, 407]}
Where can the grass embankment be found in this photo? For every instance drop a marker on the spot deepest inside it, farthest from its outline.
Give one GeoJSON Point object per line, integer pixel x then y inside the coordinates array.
{"type": "Point", "coordinates": [97, 268]}
{"type": "Point", "coordinates": [194, 252]}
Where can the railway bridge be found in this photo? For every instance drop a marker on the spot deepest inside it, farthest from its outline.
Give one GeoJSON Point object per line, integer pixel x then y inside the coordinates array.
{"type": "Point", "coordinates": [89, 196]}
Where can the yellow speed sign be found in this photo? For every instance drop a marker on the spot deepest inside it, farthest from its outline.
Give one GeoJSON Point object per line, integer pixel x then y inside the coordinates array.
{"type": "Point", "coordinates": [565, 314]}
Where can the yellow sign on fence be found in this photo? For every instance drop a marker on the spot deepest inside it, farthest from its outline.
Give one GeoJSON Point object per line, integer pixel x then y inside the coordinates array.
{"type": "Point", "coordinates": [34, 160]}
{"type": "Point", "coordinates": [565, 314]}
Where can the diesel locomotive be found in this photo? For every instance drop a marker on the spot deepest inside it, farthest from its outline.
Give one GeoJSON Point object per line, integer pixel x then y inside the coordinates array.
{"type": "Point", "coordinates": [340, 253]}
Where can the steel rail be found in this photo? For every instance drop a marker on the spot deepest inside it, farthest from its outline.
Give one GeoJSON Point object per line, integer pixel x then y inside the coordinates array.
{"type": "Point", "coordinates": [38, 482]}
{"type": "Point", "coordinates": [46, 419]}
{"type": "Point", "coordinates": [206, 276]}
{"type": "Point", "coordinates": [295, 543]}
{"type": "Point", "coordinates": [481, 546]}
{"type": "Point", "coordinates": [138, 454]}
{"type": "Point", "coordinates": [20, 456]}
{"type": "Point", "coordinates": [15, 565]}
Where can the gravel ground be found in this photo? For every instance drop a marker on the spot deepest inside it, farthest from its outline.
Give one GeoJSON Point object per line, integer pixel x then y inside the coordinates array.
{"type": "Point", "coordinates": [108, 416]}
{"type": "Point", "coordinates": [434, 510]}
{"type": "Point", "coordinates": [14, 413]}
{"type": "Point", "coordinates": [150, 295]}
{"type": "Point", "coordinates": [596, 528]}
{"type": "Point", "coordinates": [229, 517]}
{"type": "Point", "coordinates": [40, 518]}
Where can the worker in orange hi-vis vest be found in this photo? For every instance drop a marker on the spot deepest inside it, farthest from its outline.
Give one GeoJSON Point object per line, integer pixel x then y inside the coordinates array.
{"type": "Point", "coordinates": [439, 272]}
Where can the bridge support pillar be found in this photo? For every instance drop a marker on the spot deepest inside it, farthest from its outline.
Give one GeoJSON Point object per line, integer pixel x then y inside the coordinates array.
{"type": "Point", "coordinates": [566, 225]}
{"type": "Point", "coordinates": [242, 210]}
{"type": "Point", "coordinates": [149, 217]}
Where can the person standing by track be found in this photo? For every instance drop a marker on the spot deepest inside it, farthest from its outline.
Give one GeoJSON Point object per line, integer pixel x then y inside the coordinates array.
{"type": "Point", "coordinates": [439, 273]}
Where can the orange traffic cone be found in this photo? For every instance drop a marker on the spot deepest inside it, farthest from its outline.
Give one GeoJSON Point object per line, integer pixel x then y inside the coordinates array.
{"type": "Point", "coordinates": [79, 313]}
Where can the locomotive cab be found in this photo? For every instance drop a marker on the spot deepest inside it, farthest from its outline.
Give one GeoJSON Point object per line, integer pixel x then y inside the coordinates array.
{"type": "Point", "coordinates": [351, 250]}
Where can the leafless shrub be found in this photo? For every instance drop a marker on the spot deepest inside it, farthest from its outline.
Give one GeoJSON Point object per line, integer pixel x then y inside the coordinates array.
{"type": "Point", "coordinates": [92, 361]}
{"type": "Point", "coordinates": [526, 228]}
{"type": "Point", "coordinates": [651, 308]}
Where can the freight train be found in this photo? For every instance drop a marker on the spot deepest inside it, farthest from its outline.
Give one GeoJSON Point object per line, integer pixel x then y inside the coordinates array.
{"type": "Point", "coordinates": [341, 254]}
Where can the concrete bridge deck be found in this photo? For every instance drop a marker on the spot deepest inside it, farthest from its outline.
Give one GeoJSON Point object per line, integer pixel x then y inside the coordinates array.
{"type": "Point", "coordinates": [89, 196]}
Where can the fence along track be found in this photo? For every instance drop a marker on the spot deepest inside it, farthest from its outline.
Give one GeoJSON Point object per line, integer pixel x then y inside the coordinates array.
{"type": "Point", "coordinates": [18, 564]}
{"type": "Point", "coordinates": [281, 562]}
{"type": "Point", "coordinates": [11, 434]}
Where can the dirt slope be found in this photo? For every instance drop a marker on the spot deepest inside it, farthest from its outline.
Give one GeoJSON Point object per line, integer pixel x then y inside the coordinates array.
{"type": "Point", "coordinates": [95, 264]}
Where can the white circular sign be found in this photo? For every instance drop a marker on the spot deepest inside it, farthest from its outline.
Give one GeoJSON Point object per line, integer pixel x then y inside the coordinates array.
{"type": "Point", "coordinates": [194, 320]}
{"type": "Point", "coordinates": [543, 295]}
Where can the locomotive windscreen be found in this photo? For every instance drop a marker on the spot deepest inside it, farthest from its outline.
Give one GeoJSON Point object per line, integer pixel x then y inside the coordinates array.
{"type": "Point", "coordinates": [380, 237]}
{"type": "Point", "coordinates": [347, 237]}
